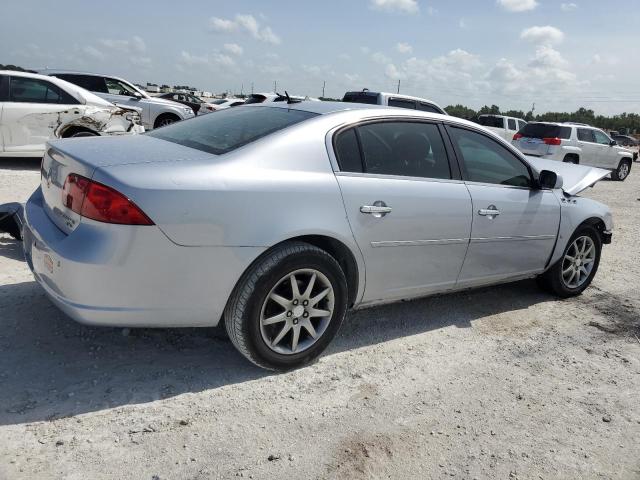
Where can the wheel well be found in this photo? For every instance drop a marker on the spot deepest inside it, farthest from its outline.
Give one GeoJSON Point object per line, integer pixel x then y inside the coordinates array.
{"type": "Point", "coordinates": [572, 155]}
{"type": "Point", "coordinates": [596, 223]}
{"type": "Point", "coordinates": [72, 130]}
{"type": "Point", "coordinates": [164, 115]}
{"type": "Point", "coordinates": [627, 159]}
{"type": "Point", "coordinates": [342, 254]}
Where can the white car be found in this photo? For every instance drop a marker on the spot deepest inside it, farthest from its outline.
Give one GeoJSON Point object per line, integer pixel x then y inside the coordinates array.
{"type": "Point", "coordinates": [35, 109]}
{"type": "Point", "coordinates": [156, 112]}
{"type": "Point", "coordinates": [574, 143]}
{"type": "Point", "coordinates": [222, 103]}
{"type": "Point", "coordinates": [503, 126]}
{"type": "Point", "coordinates": [393, 100]}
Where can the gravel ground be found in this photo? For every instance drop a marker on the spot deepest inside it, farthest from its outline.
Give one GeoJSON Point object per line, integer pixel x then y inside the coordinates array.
{"type": "Point", "coordinates": [503, 382]}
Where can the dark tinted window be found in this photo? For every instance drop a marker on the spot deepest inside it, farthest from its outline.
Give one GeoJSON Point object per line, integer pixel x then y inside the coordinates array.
{"type": "Point", "coordinates": [427, 107]}
{"type": "Point", "coordinates": [4, 88]}
{"type": "Point", "coordinates": [348, 151]}
{"type": "Point", "coordinates": [512, 124]}
{"type": "Point", "coordinates": [88, 82]}
{"type": "Point", "coordinates": [402, 103]}
{"type": "Point", "coordinates": [255, 99]}
{"type": "Point", "coordinates": [361, 97]}
{"type": "Point", "coordinates": [219, 102]}
{"type": "Point", "coordinates": [586, 135]}
{"type": "Point", "coordinates": [33, 90]}
{"type": "Point", "coordinates": [486, 161]}
{"type": "Point", "coordinates": [545, 130]}
{"type": "Point", "coordinates": [521, 123]}
{"type": "Point", "coordinates": [230, 128]}
{"type": "Point", "coordinates": [404, 148]}
{"type": "Point", "coordinates": [490, 121]}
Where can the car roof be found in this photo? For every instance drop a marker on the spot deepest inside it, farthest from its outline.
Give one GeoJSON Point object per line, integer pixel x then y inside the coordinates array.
{"type": "Point", "coordinates": [48, 71]}
{"type": "Point", "coordinates": [323, 108]}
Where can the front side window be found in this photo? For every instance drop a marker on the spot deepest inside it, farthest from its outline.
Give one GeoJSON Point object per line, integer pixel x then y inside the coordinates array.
{"type": "Point", "coordinates": [402, 103]}
{"type": "Point", "coordinates": [486, 161]}
{"type": "Point", "coordinates": [512, 124]}
{"type": "Point", "coordinates": [33, 90]}
{"type": "Point", "coordinates": [601, 138]}
{"type": "Point", "coordinates": [586, 135]}
{"type": "Point", "coordinates": [117, 87]}
{"type": "Point", "coordinates": [230, 128]}
{"type": "Point", "coordinates": [411, 149]}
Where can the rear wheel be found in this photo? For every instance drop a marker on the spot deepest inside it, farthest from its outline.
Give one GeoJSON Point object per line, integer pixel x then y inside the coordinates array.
{"type": "Point", "coordinates": [575, 270]}
{"type": "Point", "coordinates": [83, 134]}
{"type": "Point", "coordinates": [165, 119]}
{"type": "Point", "coordinates": [287, 307]}
{"type": "Point", "coordinates": [571, 159]}
{"type": "Point", "coordinates": [622, 172]}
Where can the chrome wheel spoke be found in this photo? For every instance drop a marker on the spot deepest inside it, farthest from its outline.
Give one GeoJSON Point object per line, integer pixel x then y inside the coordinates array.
{"type": "Point", "coordinates": [309, 326]}
{"type": "Point", "coordinates": [314, 312]}
{"type": "Point", "coordinates": [570, 258]}
{"type": "Point", "coordinates": [314, 301]}
{"type": "Point", "coordinates": [283, 302]}
{"type": "Point", "coordinates": [281, 335]}
{"type": "Point", "coordinates": [281, 317]}
{"type": "Point", "coordinates": [296, 338]}
{"type": "Point", "coordinates": [312, 282]}
{"type": "Point", "coordinates": [294, 286]}
{"type": "Point", "coordinates": [578, 262]}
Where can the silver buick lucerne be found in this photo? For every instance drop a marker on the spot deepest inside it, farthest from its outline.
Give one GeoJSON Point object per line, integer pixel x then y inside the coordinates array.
{"type": "Point", "coordinates": [275, 219]}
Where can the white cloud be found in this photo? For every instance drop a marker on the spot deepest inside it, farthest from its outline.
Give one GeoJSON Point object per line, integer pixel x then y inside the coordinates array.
{"type": "Point", "coordinates": [344, 56]}
{"type": "Point", "coordinates": [247, 24]}
{"type": "Point", "coordinates": [93, 52]}
{"type": "Point", "coordinates": [365, 50]}
{"type": "Point", "coordinates": [403, 47]}
{"type": "Point", "coordinates": [135, 44]}
{"type": "Point", "coordinates": [352, 77]}
{"type": "Point", "coordinates": [380, 57]}
{"type": "Point", "coordinates": [402, 6]}
{"type": "Point", "coordinates": [392, 72]}
{"type": "Point", "coordinates": [213, 60]}
{"type": "Point", "coordinates": [518, 5]}
{"type": "Point", "coordinates": [568, 7]}
{"type": "Point", "coordinates": [233, 48]}
{"type": "Point", "coordinates": [312, 69]}
{"type": "Point", "coordinates": [546, 35]}
{"type": "Point", "coordinates": [462, 23]}
{"type": "Point", "coordinates": [431, 11]}
{"type": "Point", "coordinates": [547, 56]}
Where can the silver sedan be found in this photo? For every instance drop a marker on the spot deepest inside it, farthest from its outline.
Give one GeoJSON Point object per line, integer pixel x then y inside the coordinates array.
{"type": "Point", "coordinates": [277, 219]}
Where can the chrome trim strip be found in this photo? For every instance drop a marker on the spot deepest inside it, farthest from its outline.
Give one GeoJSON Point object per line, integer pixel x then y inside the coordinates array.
{"type": "Point", "coordinates": [512, 239]}
{"type": "Point", "coordinates": [411, 243]}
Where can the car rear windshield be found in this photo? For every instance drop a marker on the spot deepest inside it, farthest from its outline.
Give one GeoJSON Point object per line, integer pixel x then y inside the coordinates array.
{"type": "Point", "coordinates": [370, 98]}
{"type": "Point", "coordinates": [255, 99]}
{"type": "Point", "coordinates": [489, 121]}
{"type": "Point", "coordinates": [544, 130]}
{"type": "Point", "coordinates": [226, 130]}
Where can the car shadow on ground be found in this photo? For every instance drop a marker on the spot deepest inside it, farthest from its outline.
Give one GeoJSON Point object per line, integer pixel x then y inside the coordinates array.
{"type": "Point", "coordinates": [52, 367]}
{"type": "Point", "coordinates": [10, 248]}
{"type": "Point", "coordinates": [16, 163]}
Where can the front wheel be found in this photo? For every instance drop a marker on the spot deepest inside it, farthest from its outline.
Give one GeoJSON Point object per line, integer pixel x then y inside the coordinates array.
{"type": "Point", "coordinates": [573, 273]}
{"type": "Point", "coordinates": [287, 307]}
{"type": "Point", "coordinates": [622, 171]}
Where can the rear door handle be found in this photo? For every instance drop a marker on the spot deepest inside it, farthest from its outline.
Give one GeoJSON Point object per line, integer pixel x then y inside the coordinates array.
{"type": "Point", "coordinates": [491, 211]}
{"type": "Point", "coordinates": [378, 209]}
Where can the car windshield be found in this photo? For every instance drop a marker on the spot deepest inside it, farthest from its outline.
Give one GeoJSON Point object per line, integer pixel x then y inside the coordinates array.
{"type": "Point", "coordinates": [545, 130]}
{"type": "Point", "coordinates": [231, 128]}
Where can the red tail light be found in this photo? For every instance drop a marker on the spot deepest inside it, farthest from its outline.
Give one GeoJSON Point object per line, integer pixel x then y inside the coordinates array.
{"type": "Point", "coordinates": [552, 141]}
{"type": "Point", "coordinates": [98, 202]}
{"type": "Point", "coordinates": [517, 136]}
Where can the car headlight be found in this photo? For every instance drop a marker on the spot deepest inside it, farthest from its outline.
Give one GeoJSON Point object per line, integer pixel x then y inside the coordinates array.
{"type": "Point", "coordinates": [188, 110]}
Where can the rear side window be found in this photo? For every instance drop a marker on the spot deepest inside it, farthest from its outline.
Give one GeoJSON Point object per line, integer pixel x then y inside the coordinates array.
{"type": "Point", "coordinates": [370, 98]}
{"type": "Point", "coordinates": [427, 107]}
{"type": "Point", "coordinates": [88, 82]}
{"type": "Point", "coordinates": [255, 99]}
{"type": "Point", "coordinates": [34, 90]}
{"type": "Point", "coordinates": [402, 103]}
{"type": "Point", "coordinates": [4, 88]}
{"type": "Point", "coordinates": [486, 161]}
{"type": "Point", "coordinates": [586, 135]}
{"type": "Point", "coordinates": [545, 130]}
{"type": "Point", "coordinates": [490, 121]}
{"type": "Point", "coordinates": [348, 151]}
{"type": "Point", "coordinates": [512, 124]}
{"type": "Point", "coordinates": [230, 128]}
{"type": "Point", "coordinates": [412, 149]}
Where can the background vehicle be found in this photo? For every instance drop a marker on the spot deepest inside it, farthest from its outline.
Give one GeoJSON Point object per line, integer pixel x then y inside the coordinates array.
{"type": "Point", "coordinates": [35, 108]}
{"type": "Point", "coordinates": [274, 97]}
{"type": "Point", "coordinates": [156, 112]}
{"type": "Point", "coordinates": [574, 143]}
{"type": "Point", "coordinates": [393, 100]}
{"type": "Point", "coordinates": [198, 106]}
{"type": "Point", "coordinates": [626, 140]}
{"type": "Point", "coordinates": [319, 206]}
{"type": "Point", "coordinates": [505, 127]}
{"type": "Point", "coordinates": [222, 103]}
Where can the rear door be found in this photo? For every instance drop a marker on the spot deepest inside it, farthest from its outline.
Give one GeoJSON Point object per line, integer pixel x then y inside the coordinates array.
{"type": "Point", "coordinates": [409, 211]}
{"type": "Point", "coordinates": [590, 150]}
{"type": "Point", "coordinates": [514, 224]}
{"type": "Point", "coordinates": [4, 95]}
{"type": "Point", "coordinates": [34, 111]}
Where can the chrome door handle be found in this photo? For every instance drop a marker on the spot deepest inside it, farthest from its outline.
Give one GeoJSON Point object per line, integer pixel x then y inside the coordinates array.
{"type": "Point", "coordinates": [491, 211]}
{"type": "Point", "coordinates": [378, 209]}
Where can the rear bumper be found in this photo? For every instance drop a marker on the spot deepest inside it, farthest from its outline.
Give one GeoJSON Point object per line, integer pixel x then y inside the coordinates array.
{"type": "Point", "coordinates": [133, 276]}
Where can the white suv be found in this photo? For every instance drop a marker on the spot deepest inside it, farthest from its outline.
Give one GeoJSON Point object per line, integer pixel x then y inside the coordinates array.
{"type": "Point", "coordinates": [505, 127]}
{"type": "Point", "coordinates": [393, 100]}
{"type": "Point", "coordinates": [574, 143]}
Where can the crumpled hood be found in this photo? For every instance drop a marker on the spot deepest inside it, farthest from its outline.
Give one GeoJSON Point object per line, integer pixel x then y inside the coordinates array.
{"type": "Point", "coordinates": [575, 178]}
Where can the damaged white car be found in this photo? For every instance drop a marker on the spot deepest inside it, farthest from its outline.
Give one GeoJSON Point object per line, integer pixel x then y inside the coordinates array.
{"type": "Point", "coordinates": [36, 108]}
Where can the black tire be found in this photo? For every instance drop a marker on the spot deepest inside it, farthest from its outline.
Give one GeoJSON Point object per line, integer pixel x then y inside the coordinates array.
{"type": "Point", "coordinates": [244, 308]}
{"type": "Point", "coordinates": [82, 133]}
{"type": "Point", "coordinates": [552, 280]}
{"type": "Point", "coordinates": [571, 159]}
{"type": "Point", "coordinates": [622, 172]}
{"type": "Point", "coordinates": [165, 119]}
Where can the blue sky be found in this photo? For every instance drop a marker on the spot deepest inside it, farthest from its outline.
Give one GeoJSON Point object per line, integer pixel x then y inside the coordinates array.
{"type": "Point", "coordinates": [559, 54]}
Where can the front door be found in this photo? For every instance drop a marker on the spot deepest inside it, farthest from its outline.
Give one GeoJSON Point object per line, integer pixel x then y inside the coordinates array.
{"type": "Point", "coordinates": [607, 154]}
{"type": "Point", "coordinates": [514, 225]}
{"type": "Point", "coordinates": [409, 216]}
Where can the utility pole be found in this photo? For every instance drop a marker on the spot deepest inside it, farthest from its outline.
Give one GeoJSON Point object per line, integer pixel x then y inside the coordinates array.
{"type": "Point", "coordinates": [275, 85]}
{"type": "Point", "coordinates": [398, 86]}
{"type": "Point", "coordinates": [324, 84]}
{"type": "Point", "coordinates": [251, 88]}
{"type": "Point", "coordinates": [533, 108]}
{"type": "Point", "coordinates": [241, 89]}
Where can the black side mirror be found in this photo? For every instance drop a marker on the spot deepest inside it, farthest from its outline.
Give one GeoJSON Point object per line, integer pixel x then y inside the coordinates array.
{"type": "Point", "coordinates": [549, 179]}
{"type": "Point", "coordinates": [612, 143]}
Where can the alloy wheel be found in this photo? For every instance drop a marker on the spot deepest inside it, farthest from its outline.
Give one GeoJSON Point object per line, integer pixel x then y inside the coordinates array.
{"type": "Point", "coordinates": [578, 262]}
{"type": "Point", "coordinates": [297, 311]}
{"type": "Point", "coordinates": [623, 171]}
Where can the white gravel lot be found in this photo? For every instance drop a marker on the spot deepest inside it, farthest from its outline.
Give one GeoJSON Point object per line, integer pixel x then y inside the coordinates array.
{"type": "Point", "coordinates": [504, 382]}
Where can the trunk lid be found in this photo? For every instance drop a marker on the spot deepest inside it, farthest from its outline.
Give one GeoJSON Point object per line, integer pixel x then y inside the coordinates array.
{"type": "Point", "coordinates": [532, 146]}
{"type": "Point", "coordinates": [575, 178]}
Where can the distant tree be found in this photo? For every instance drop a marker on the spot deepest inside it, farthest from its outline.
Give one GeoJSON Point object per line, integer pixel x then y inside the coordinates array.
{"type": "Point", "coordinates": [461, 111]}
{"type": "Point", "coordinates": [15, 68]}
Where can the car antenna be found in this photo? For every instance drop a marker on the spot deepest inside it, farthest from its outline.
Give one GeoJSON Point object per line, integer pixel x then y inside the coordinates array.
{"type": "Point", "coordinates": [291, 100]}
